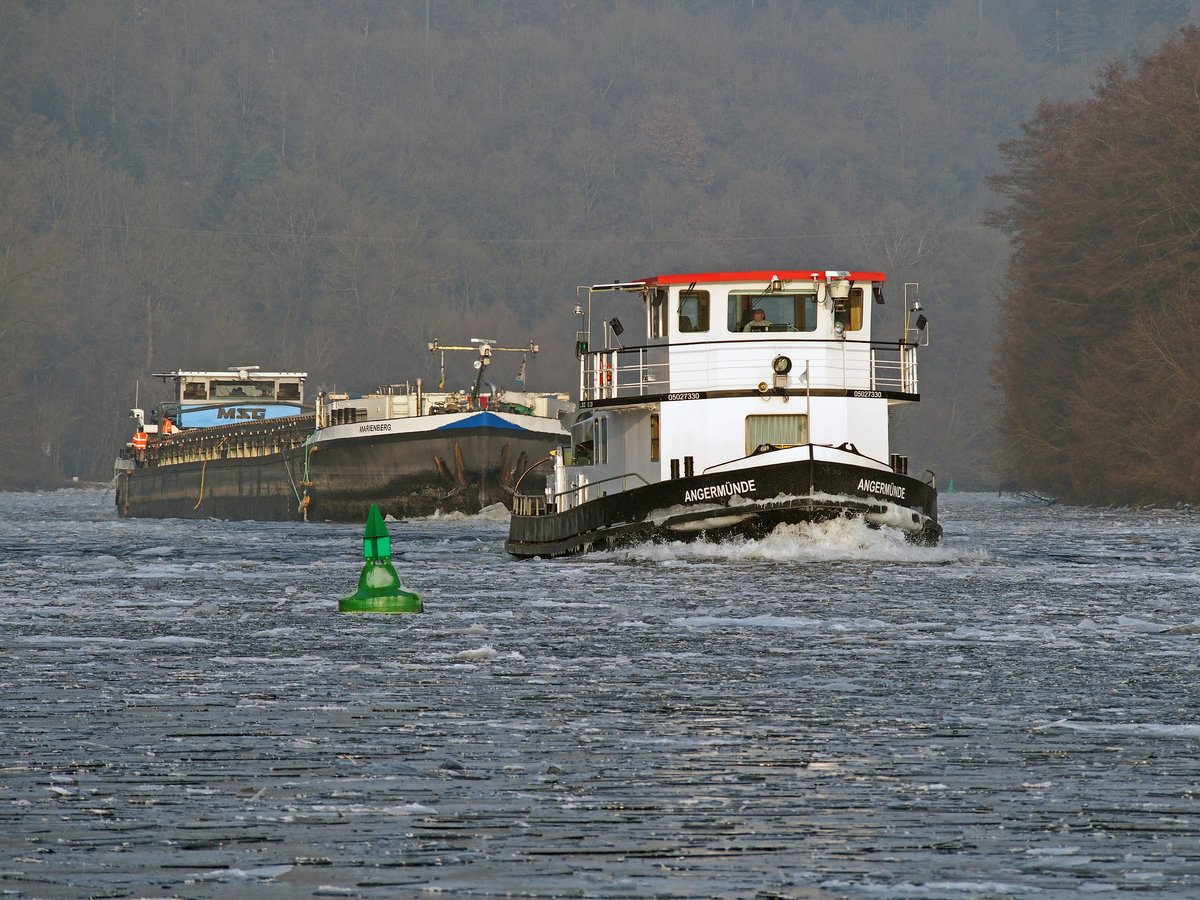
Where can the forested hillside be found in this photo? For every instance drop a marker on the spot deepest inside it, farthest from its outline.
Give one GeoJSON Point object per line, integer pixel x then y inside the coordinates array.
{"type": "Point", "coordinates": [326, 186]}
{"type": "Point", "coordinates": [1099, 353]}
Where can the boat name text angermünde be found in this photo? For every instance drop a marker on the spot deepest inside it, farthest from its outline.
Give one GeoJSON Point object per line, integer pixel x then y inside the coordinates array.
{"type": "Point", "coordinates": [719, 490]}
{"type": "Point", "coordinates": [881, 487]}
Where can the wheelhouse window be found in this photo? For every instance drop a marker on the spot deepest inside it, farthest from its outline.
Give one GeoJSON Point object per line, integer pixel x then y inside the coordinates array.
{"type": "Point", "coordinates": [657, 306]}
{"type": "Point", "coordinates": [693, 311]}
{"type": "Point", "coordinates": [583, 442]}
{"type": "Point", "coordinates": [195, 390]}
{"type": "Point", "coordinates": [289, 390]}
{"type": "Point", "coordinates": [771, 312]}
{"type": "Point", "coordinates": [775, 431]}
{"type": "Point", "coordinates": [243, 390]}
{"type": "Point", "coordinates": [601, 439]}
{"type": "Point", "coordinates": [849, 312]}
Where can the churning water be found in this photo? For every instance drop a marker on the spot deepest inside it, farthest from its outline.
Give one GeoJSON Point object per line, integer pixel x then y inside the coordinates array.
{"type": "Point", "coordinates": [827, 713]}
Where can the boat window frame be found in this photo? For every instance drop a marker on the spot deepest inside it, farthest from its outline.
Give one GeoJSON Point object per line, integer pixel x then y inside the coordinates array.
{"type": "Point", "coordinates": [804, 308]}
{"type": "Point", "coordinates": [693, 309]}
{"type": "Point", "coordinates": [656, 312]}
{"type": "Point", "coordinates": [222, 389]}
{"type": "Point", "coordinates": [850, 313]}
{"type": "Point", "coordinates": [583, 441]}
{"type": "Point", "coordinates": [288, 396]}
{"type": "Point", "coordinates": [758, 418]}
{"type": "Point", "coordinates": [600, 440]}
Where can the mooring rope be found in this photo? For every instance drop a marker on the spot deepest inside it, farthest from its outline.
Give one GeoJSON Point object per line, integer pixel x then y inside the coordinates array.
{"type": "Point", "coordinates": [203, 469]}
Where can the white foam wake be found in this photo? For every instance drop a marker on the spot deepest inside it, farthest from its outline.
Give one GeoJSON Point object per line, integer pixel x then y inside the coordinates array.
{"type": "Point", "coordinates": [833, 540]}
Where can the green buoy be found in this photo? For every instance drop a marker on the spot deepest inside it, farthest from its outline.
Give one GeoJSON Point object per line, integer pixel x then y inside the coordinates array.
{"type": "Point", "coordinates": [379, 588]}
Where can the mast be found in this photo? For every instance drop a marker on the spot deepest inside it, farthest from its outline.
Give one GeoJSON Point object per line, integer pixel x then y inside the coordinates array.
{"type": "Point", "coordinates": [484, 347]}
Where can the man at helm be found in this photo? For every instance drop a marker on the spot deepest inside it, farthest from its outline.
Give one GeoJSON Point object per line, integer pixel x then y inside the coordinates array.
{"type": "Point", "coordinates": [758, 321]}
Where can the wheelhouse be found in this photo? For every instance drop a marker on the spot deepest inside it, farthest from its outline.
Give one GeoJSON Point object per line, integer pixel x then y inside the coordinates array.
{"type": "Point", "coordinates": [723, 332]}
{"type": "Point", "coordinates": [206, 399]}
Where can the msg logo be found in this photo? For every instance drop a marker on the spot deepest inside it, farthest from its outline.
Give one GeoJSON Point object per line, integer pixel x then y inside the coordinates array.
{"type": "Point", "coordinates": [242, 412]}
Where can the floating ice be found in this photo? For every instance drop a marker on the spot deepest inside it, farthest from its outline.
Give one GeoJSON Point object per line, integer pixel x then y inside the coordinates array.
{"type": "Point", "coordinates": [487, 651]}
{"type": "Point", "coordinates": [410, 809]}
{"type": "Point", "coordinates": [255, 873]}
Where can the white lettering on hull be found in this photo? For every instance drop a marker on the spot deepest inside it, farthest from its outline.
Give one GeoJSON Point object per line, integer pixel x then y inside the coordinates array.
{"type": "Point", "coordinates": [882, 488]}
{"type": "Point", "coordinates": [716, 491]}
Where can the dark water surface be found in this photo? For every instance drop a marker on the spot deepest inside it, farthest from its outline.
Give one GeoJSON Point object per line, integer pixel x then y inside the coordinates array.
{"type": "Point", "coordinates": [829, 713]}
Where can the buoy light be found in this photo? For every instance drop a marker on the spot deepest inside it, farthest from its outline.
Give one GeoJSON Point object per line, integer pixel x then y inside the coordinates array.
{"type": "Point", "coordinates": [377, 543]}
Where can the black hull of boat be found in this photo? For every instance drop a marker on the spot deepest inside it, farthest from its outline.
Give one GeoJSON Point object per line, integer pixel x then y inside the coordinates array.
{"type": "Point", "coordinates": [259, 488]}
{"type": "Point", "coordinates": [425, 473]}
{"type": "Point", "coordinates": [749, 503]}
{"type": "Point", "coordinates": [463, 470]}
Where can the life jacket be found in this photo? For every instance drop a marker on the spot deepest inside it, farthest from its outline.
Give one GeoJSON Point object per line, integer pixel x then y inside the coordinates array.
{"type": "Point", "coordinates": [141, 440]}
{"type": "Point", "coordinates": [167, 427]}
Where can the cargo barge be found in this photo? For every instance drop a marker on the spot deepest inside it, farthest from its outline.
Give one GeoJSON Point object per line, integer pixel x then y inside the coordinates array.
{"type": "Point", "coordinates": [244, 444]}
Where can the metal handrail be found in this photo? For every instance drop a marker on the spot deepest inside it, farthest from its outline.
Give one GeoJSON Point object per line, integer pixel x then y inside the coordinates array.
{"type": "Point", "coordinates": [530, 469]}
{"type": "Point", "coordinates": [539, 505]}
{"type": "Point", "coordinates": [810, 445]}
{"type": "Point", "coordinates": [601, 371]}
{"type": "Point", "coordinates": [583, 487]}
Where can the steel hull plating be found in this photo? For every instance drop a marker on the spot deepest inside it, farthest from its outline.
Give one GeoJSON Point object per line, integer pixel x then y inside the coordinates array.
{"type": "Point", "coordinates": [748, 503]}
{"type": "Point", "coordinates": [258, 488]}
{"type": "Point", "coordinates": [421, 474]}
{"type": "Point", "coordinates": [413, 474]}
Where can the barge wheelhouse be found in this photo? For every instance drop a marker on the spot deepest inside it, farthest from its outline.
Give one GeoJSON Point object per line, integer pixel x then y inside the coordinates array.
{"type": "Point", "coordinates": [756, 399]}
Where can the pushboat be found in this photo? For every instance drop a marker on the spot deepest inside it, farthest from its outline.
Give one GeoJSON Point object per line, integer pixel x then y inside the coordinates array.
{"type": "Point", "coordinates": [244, 444]}
{"type": "Point", "coordinates": [757, 399]}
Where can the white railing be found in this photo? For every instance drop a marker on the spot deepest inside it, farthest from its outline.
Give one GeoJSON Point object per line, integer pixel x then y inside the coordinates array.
{"type": "Point", "coordinates": [624, 373]}
{"type": "Point", "coordinates": [589, 490]}
{"type": "Point", "coordinates": [742, 365]}
{"type": "Point", "coordinates": [543, 504]}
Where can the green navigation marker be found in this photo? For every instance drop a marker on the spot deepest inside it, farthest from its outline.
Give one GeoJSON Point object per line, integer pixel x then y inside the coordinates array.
{"type": "Point", "coordinates": [379, 588]}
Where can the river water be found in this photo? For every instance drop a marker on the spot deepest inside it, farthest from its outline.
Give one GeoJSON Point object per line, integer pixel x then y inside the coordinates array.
{"type": "Point", "coordinates": [828, 713]}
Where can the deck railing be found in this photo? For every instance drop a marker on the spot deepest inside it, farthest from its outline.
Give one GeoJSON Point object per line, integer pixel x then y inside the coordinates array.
{"type": "Point", "coordinates": [540, 505]}
{"type": "Point", "coordinates": [633, 372]}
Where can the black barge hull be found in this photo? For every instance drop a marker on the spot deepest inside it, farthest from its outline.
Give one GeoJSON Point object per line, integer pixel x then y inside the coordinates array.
{"type": "Point", "coordinates": [259, 488]}
{"type": "Point", "coordinates": [749, 503]}
{"type": "Point", "coordinates": [423, 474]}
{"type": "Point", "coordinates": [462, 470]}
